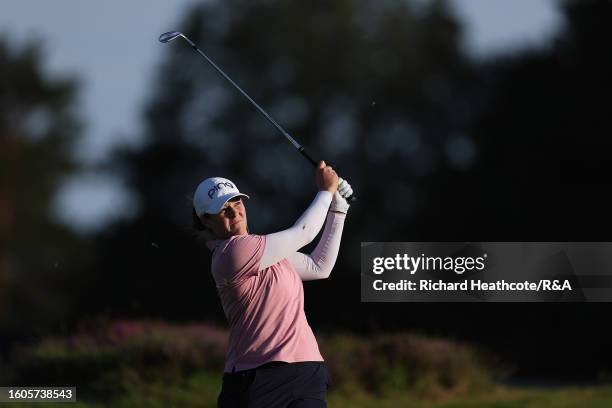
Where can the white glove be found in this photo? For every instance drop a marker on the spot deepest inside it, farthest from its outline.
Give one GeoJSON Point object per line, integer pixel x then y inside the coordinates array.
{"type": "Point", "coordinates": [339, 204]}
{"type": "Point", "coordinates": [344, 188]}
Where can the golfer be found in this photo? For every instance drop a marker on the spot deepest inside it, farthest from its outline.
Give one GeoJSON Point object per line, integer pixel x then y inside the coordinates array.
{"type": "Point", "coordinates": [272, 359]}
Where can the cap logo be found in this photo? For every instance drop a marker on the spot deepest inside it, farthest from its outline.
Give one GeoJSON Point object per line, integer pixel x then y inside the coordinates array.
{"type": "Point", "coordinates": [218, 186]}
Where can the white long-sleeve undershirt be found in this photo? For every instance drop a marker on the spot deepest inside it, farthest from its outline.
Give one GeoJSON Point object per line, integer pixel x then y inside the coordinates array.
{"type": "Point", "coordinates": [320, 262]}
{"type": "Point", "coordinates": [286, 243]}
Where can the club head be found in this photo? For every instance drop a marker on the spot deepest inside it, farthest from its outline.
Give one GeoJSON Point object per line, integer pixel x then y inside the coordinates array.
{"type": "Point", "coordinates": [169, 36]}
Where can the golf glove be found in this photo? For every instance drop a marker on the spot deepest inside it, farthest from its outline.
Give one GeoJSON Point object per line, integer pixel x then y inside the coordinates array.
{"type": "Point", "coordinates": [344, 188]}
{"type": "Point", "coordinates": [339, 204]}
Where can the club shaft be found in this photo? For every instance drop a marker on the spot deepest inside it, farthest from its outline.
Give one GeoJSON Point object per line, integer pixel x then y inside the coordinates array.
{"type": "Point", "coordinates": [259, 108]}
{"type": "Point", "coordinates": [298, 146]}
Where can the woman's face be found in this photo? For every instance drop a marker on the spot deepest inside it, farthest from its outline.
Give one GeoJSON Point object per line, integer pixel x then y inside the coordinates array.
{"type": "Point", "coordinates": [230, 221]}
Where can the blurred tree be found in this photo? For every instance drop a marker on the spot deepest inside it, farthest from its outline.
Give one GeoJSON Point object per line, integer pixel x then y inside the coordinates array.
{"type": "Point", "coordinates": [437, 147]}
{"type": "Point", "coordinates": [39, 259]}
{"type": "Point", "coordinates": [546, 130]}
{"type": "Point", "coordinates": [379, 89]}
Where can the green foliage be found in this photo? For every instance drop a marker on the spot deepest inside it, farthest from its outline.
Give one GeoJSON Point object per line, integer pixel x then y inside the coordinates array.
{"type": "Point", "coordinates": [110, 360]}
{"type": "Point", "coordinates": [127, 357]}
{"type": "Point", "coordinates": [425, 366]}
{"type": "Point", "coordinates": [154, 364]}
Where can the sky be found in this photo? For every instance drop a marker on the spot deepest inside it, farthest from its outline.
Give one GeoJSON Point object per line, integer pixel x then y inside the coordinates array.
{"type": "Point", "coordinates": [112, 47]}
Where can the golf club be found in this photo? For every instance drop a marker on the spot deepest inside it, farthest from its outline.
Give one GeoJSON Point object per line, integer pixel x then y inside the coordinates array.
{"type": "Point", "coordinates": [171, 35]}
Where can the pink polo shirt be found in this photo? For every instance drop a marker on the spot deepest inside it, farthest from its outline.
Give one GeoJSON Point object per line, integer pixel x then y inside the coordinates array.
{"type": "Point", "coordinates": [265, 309]}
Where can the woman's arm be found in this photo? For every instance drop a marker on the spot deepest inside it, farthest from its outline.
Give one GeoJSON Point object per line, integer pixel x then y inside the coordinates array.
{"type": "Point", "coordinates": [284, 243]}
{"type": "Point", "coordinates": [320, 262]}
{"type": "Point", "coordinates": [281, 245]}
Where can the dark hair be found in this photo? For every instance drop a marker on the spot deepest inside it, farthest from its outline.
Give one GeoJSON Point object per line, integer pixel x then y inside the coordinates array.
{"type": "Point", "coordinates": [197, 222]}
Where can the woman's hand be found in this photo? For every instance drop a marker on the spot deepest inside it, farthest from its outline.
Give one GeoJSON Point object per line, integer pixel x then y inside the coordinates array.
{"type": "Point", "coordinates": [326, 178]}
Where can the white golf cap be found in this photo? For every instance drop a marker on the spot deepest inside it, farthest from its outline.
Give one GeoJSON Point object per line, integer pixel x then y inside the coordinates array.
{"type": "Point", "coordinates": [212, 194]}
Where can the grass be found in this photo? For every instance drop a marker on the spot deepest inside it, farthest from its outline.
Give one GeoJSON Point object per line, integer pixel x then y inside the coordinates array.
{"type": "Point", "coordinates": [200, 391]}
{"type": "Point", "coordinates": [500, 397]}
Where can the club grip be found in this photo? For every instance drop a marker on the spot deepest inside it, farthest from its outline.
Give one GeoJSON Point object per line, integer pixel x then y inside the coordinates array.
{"type": "Point", "coordinates": [308, 157]}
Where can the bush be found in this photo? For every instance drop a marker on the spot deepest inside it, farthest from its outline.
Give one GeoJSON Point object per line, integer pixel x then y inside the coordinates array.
{"type": "Point", "coordinates": [428, 367]}
{"type": "Point", "coordinates": [109, 360]}
{"type": "Point", "coordinates": [122, 357]}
